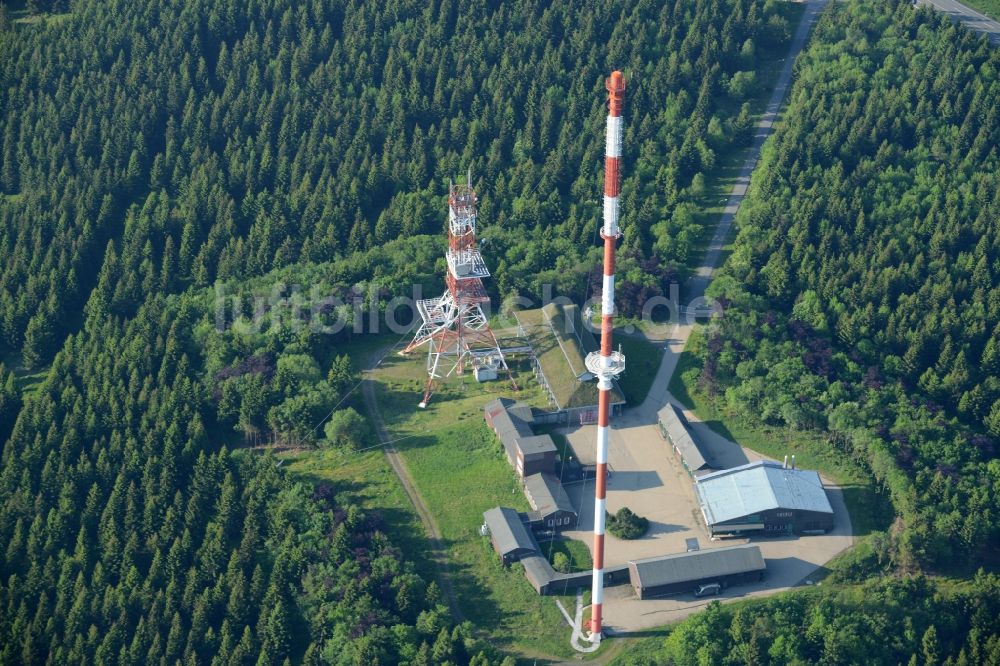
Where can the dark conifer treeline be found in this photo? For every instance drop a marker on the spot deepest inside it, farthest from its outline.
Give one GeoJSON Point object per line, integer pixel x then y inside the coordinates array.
{"type": "Point", "coordinates": [129, 538]}
{"type": "Point", "coordinates": [150, 146]}
{"type": "Point", "coordinates": [867, 264]}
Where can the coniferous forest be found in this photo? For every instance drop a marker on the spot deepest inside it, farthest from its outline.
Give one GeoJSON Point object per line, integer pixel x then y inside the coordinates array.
{"type": "Point", "coordinates": [861, 302]}
{"type": "Point", "coordinates": [156, 154]}
{"type": "Point", "coordinates": [151, 149]}
{"type": "Point", "coordinates": [147, 147]}
{"type": "Point", "coordinates": [867, 263]}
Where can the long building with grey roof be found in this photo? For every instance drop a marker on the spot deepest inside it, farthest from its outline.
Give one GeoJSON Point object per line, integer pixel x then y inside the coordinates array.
{"type": "Point", "coordinates": [685, 444]}
{"type": "Point", "coordinates": [508, 534]}
{"type": "Point", "coordinates": [684, 572]}
{"type": "Point", "coordinates": [764, 497]}
{"type": "Point", "coordinates": [560, 340]}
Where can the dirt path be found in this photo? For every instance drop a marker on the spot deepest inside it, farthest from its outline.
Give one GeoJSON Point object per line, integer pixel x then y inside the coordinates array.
{"type": "Point", "coordinates": [437, 550]}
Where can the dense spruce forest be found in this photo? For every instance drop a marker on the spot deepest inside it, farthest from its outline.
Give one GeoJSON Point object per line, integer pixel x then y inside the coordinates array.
{"type": "Point", "coordinates": [130, 538]}
{"type": "Point", "coordinates": [150, 149]}
{"type": "Point", "coordinates": [862, 290]}
{"type": "Point", "coordinates": [177, 143]}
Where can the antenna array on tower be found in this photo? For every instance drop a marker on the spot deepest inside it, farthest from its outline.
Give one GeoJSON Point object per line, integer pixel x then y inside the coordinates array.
{"type": "Point", "coordinates": [453, 326]}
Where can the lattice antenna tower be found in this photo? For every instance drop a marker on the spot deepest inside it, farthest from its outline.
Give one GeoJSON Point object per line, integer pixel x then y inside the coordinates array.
{"type": "Point", "coordinates": [454, 327]}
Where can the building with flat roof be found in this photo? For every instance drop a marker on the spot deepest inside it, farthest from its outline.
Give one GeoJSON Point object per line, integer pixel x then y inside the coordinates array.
{"type": "Point", "coordinates": [675, 430]}
{"type": "Point", "coordinates": [508, 534]}
{"type": "Point", "coordinates": [685, 572]}
{"type": "Point", "coordinates": [764, 497]}
{"type": "Point", "coordinates": [535, 455]}
{"type": "Point", "coordinates": [552, 506]}
{"type": "Point", "coordinates": [527, 452]}
{"type": "Point", "coordinates": [560, 342]}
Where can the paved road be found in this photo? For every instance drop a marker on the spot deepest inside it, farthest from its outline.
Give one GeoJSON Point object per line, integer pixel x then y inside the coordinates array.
{"type": "Point", "coordinates": [437, 551]}
{"type": "Point", "coordinates": [703, 274]}
{"type": "Point", "coordinates": [969, 16]}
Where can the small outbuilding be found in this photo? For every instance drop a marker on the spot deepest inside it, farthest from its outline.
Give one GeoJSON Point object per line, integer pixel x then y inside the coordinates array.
{"type": "Point", "coordinates": [674, 429]}
{"type": "Point", "coordinates": [527, 452]}
{"type": "Point", "coordinates": [552, 506]}
{"type": "Point", "coordinates": [685, 572]}
{"type": "Point", "coordinates": [539, 573]}
{"type": "Point", "coordinates": [535, 455]}
{"type": "Point", "coordinates": [764, 497]}
{"type": "Point", "coordinates": [508, 534]}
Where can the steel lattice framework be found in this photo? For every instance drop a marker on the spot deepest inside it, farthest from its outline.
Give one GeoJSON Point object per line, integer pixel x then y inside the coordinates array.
{"type": "Point", "coordinates": [454, 326]}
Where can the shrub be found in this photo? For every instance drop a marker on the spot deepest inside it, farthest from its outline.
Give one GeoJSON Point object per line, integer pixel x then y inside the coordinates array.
{"type": "Point", "coordinates": [348, 428]}
{"type": "Point", "coordinates": [560, 562]}
{"type": "Point", "coordinates": [627, 525]}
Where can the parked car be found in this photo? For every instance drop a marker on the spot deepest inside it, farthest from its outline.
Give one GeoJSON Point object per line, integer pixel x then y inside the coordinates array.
{"type": "Point", "coordinates": [707, 590]}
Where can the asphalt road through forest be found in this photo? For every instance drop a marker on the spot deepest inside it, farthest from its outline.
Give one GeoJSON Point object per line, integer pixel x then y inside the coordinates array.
{"type": "Point", "coordinates": [703, 274]}
{"type": "Point", "coordinates": [969, 16]}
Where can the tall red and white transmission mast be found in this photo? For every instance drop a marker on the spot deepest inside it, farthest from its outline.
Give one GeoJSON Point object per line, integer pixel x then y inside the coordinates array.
{"type": "Point", "coordinates": [454, 326]}
{"type": "Point", "coordinates": [607, 364]}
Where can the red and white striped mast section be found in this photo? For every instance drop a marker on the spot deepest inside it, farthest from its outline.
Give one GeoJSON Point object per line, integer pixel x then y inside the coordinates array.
{"type": "Point", "coordinates": [607, 364]}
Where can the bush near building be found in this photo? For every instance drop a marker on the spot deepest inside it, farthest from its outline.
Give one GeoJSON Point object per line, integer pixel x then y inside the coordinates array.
{"type": "Point", "coordinates": [627, 525]}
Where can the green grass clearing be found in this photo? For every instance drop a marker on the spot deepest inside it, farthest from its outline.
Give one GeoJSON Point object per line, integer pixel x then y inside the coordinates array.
{"type": "Point", "coordinates": [459, 467]}
{"type": "Point", "coordinates": [642, 360]}
{"type": "Point", "coordinates": [989, 7]}
{"type": "Point", "coordinates": [26, 381]}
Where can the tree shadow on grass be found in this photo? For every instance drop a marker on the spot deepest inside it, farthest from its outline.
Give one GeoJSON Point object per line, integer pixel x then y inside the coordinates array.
{"type": "Point", "coordinates": [678, 387]}
{"type": "Point", "coordinates": [719, 428]}
{"type": "Point", "coordinates": [870, 510]}
{"type": "Point", "coordinates": [655, 632]}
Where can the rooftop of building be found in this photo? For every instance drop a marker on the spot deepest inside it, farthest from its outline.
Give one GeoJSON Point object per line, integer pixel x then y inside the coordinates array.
{"type": "Point", "coordinates": [508, 530]}
{"type": "Point", "coordinates": [758, 486]}
{"type": "Point", "coordinates": [510, 418]}
{"type": "Point", "coordinates": [538, 571]}
{"type": "Point", "coordinates": [546, 495]}
{"type": "Point", "coordinates": [681, 437]}
{"type": "Point", "coordinates": [536, 445]}
{"type": "Point", "coordinates": [697, 565]}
